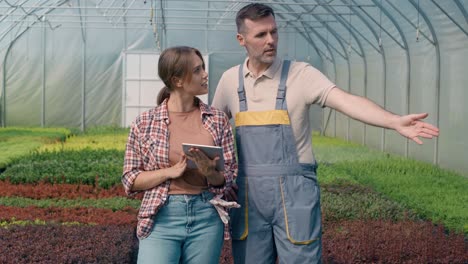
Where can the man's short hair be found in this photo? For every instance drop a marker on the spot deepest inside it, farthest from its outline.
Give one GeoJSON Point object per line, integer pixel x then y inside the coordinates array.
{"type": "Point", "coordinates": [253, 12]}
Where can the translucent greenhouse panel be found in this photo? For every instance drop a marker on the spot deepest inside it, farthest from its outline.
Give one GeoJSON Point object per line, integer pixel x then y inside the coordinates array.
{"type": "Point", "coordinates": [142, 84]}
{"type": "Point", "coordinates": [375, 92]}
{"type": "Point", "coordinates": [342, 82]}
{"type": "Point", "coordinates": [220, 62]}
{"type": "Point", "coordinates": [396, 96]}
{"type": "Point", "coordinates": [328, 124]}
{"type": "Point", "coordinates": [356, 128]}
{"type": "Point", "coordinates": [453, 143]}
{"type": "Point", "coordinates": [423, 93]}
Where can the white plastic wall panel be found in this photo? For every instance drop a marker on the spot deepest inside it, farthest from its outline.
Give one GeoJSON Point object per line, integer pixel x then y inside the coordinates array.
{"type": "Point", "coordinates": [138, 84]}
{"type": "Point", "coordinates": [142, 84]}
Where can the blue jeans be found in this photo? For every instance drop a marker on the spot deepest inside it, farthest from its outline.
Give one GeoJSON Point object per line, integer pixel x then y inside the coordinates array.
{"type": "Point", "coordinates": [187, 229]}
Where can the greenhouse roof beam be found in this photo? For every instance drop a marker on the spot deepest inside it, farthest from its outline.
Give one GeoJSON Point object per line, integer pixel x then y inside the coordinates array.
{"type": "Point", "coordinates": [3, 17]}
{"type": "Point", "coordinates": [395, 23]}
{"type": "Point", "coordinates": [145, 9]}
{"type": "Point", "coordinates": [316, 33]}
{"type": "Point", "coordinates": [450, 17]}
{"type": "Point", "coordinates": [325, 42]}
{"type": "Point", "coordinates": [125, 12]}
{"type": "Point", "coordinates": [276, 3]}
{"type": "Point", "coordinates": [5, 58]}
{"type": "Point", "coordinates": [360, 53]}
{"type": "Point", "coordinates": [20, 6]}
{"type": "Point", "coordinates": [362, 35]}
{"type": "Point", "coordinates": [462, 9]}
{"type": "Point", "coordinates": [350, 30]}
{"type": "Point", "coordinates": [383, 29]}
{"type": "Point", "coordinates": [372, 30]}
{"type": "Point", "coordinates": [147, 27]}
{"type": "Point", "coordinates": [13, 8]}
{"type": "Point", "coordinates": [175, 17]}
{"type": "Point", "coordinates": [410, 22]}
{"type": "Point", "coordinates": [110, 6]}
{"type": "Point", "coordinates": [307, 37]}
{"type": "Point", "coordinates": [226, 14]}
{"type": "Point", "coordinates": [336, 34]}
{"type": "Point", "coordinates": [30, 12]}
{"type": "Point", "coordinates": [344, 56]}
{"type": "Point", "coordinates": [137, 23]}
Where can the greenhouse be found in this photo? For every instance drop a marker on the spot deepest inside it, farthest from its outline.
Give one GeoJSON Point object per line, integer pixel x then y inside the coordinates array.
{"type": "Point", "coordinates": [76, 74]}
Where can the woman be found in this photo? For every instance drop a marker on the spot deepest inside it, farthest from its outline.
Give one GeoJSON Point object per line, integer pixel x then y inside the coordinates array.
{"type": "Point", "coordinates": [176, 222]}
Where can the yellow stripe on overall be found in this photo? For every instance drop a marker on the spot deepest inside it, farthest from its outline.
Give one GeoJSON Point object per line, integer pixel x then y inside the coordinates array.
{"type": "Point", "coordinates": [262, 118]}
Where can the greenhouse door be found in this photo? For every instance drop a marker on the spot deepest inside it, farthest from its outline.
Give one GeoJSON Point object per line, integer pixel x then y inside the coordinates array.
{"type": "Point", "coordinates": [141, 84]}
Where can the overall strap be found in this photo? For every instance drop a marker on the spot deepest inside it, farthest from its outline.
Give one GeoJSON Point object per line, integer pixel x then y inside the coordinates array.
{"type": "Point", "coordinates": [280, 97]}
{"type": "Point", "coordinates": [241, 91]}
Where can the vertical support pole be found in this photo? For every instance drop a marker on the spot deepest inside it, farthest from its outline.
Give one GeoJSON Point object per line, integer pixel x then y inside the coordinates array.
{"type": "Point", "coordinates": [3, 109]}
{"type": "Point", "coordinates": [83, 73]}
{"type": "Point", "coordinates": [44, 51]}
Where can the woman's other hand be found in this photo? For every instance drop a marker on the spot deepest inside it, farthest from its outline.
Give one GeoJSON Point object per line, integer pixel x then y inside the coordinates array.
{"type": "Point", "coordinates": [178, 169]}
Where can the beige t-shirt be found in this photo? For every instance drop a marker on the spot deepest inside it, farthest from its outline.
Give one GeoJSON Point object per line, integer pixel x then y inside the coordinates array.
{"type": "Point", "coordinates": [305, 86]}
{"type": "Point", "coordinates": [187, 127]}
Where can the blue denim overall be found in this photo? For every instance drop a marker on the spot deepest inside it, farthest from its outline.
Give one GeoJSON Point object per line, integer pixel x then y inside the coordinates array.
{"type": "Point", "coordinates": [280, 198]}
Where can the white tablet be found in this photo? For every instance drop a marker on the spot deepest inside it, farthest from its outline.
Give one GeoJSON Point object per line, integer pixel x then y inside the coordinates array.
{"type": "Point", "coordinates": [210, 151]}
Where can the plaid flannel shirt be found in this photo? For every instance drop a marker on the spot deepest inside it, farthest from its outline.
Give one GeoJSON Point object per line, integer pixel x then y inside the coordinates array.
{"type": "Point", "coordinates": [148, 149]}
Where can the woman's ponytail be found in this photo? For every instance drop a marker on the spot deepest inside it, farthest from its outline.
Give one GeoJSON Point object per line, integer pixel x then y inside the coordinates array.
{"type": "Point", "coordinates": [163, 94]}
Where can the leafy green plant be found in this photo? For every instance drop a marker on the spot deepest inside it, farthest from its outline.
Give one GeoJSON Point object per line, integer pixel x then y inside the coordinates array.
{"type": "Point", "coordinates": [93, 138]}
{"type": "Point", "coordinates": [99, 167]}
{"type": "Point", "coordinates": [344, 200]}
{"type": "Point", "coordinates": [432, 192]}
{"type": "Point", "coordinates": [115, 203]}
{"type": "Point", "coordinates": [16, 142]}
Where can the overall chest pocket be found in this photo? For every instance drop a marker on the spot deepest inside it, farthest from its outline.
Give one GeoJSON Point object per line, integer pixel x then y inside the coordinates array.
{"type": "Point", "coordinates": [260, 144]}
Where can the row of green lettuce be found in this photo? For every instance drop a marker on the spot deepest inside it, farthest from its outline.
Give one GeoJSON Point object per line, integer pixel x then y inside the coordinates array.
{"type": "Point", "coordinates": [356, 182]}
{"type": "Point", "coordinates": [57, 155]}
{"type": "Point", "coordinates": [16, 142]}
{"type": "Point", "coordinates": [430, 191]}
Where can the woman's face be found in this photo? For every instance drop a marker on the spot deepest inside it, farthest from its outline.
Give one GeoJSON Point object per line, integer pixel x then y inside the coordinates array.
{"type": "Point", "coordinates": [198, 84]}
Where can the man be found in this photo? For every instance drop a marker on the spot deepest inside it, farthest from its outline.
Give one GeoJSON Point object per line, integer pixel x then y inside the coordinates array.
{"type": "Point", "coordinates": [270, 99]}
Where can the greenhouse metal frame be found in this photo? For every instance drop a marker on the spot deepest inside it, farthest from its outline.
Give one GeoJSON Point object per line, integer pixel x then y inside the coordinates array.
{"type": "Point", "coordinates": [63, 63]}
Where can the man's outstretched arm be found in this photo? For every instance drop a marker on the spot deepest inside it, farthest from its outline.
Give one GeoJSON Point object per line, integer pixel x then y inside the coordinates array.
{"type": "Point", "coordinates": [359, 108]}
